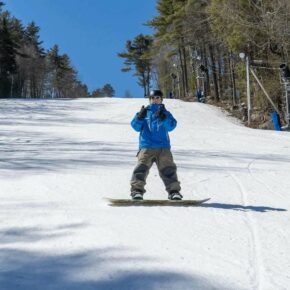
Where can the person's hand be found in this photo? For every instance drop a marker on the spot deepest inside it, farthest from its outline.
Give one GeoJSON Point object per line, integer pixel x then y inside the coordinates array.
{"type": "Point", "coordinates": [142, 113]}
{"type": "Point", "coordinates": [160, 113]}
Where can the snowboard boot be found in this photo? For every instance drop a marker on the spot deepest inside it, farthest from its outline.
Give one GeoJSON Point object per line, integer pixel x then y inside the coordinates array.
{"type": "Point", "coordinates": [137, 195]}
{"type": "Point", "coordinates": [175, 195]}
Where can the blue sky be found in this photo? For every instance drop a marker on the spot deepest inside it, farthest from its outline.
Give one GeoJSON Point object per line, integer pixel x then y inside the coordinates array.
{"type": "Point", "coordinates": [91, 32]}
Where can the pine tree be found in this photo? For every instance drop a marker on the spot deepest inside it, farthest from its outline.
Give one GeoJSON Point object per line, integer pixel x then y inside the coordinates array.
{"type": "Point", "coordinates": [108, 91]}
{"type": "Point", "coordinates": [26, 70]}
{"type": "Point", "coordinates": [31, 37]}
{"type": "Point", "coordinates": [97, 93]}
{"type": "Point", "coordinates": [34, 61]}
{"type": "Point", "coordinates": [170, 37]}
{"type": "Point", "coordinates": [138, 57]}
{"type": "Point", "coordinates": [8, 66]}
{"type": "Point", "coordinates": [1, 5]}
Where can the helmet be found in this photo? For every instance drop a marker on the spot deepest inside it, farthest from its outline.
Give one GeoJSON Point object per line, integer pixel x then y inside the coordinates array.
{"type": "Point", "coordinates": [155, 93]}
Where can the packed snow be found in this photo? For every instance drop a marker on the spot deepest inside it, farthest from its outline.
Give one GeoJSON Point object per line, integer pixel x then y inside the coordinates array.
{"type": "Point", "coordinates": [60, 159]}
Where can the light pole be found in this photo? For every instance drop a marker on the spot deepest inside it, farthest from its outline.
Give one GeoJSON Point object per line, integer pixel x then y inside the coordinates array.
{"type": "Point", "coordinates": [199, 69]}
{"type": "Point", "coordinates": [287, 88]}
{"type": "Point", "coordinates": [285, 80]}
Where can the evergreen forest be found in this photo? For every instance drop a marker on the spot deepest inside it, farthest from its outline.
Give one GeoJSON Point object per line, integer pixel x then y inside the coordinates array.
{"type": "Point", "coordinates": [208, 45]}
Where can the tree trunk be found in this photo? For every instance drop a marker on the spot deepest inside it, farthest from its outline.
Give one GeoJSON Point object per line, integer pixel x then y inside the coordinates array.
{"type": "Point", "coordinates": [233, 80]}
{"type": "Point", "coordinates": [219, 76]}
{"type": "Point", "coordinates": [214, 73]}
{"type": "Point", "coordinates": [185, 70]}
{"type": "Point", "coordinates": [182, 72]}
{"type": "Point", "coordinates": [206, 79]}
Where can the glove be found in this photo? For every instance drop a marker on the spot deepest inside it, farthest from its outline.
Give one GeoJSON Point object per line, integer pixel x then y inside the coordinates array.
{"type": "Point", "coordinates": [142, 113]}
{"type": "Point", "coordinates": [160, 113]}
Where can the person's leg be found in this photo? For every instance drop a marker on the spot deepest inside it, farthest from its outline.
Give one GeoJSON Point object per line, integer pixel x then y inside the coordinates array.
{"type": "Point", "coordinates": [141, 171]}
{"type": "Point", "coordinates": [167, 171]}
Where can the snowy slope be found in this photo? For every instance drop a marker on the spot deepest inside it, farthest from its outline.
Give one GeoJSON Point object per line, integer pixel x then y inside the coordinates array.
{"type": "Point", "coordinates": [59, 159]}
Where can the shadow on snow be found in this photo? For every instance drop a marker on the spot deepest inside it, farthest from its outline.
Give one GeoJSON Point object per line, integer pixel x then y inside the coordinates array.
{"type": "Point", "coordinates": [106, 268]}
{"type": "Point", "coordinates": [43, 151]}
{"type": "Point", "coordinates": [101, 269]}
{"type": "Point", "coordinates": [242, 207]}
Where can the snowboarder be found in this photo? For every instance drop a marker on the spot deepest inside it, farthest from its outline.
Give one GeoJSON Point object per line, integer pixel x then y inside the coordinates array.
{"type": "Point", "coordinates": [154, 122]}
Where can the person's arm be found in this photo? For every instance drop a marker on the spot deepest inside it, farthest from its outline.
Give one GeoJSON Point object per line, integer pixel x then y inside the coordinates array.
{"type": "Point", "coordinates": [169, 122]}
{"type": "Point", "coordinates": [138, 120]}
{"type": "Point", "coordinates": [166, 118]}
{"type": "Point", "coordinates": [137, 124]}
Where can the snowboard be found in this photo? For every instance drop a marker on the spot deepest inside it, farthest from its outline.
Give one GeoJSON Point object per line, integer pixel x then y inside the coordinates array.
{"type": "Point", "coordinates": [155, 202]}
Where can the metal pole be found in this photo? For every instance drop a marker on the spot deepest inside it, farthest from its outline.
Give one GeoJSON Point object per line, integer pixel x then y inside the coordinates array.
{"type": "Point", "coordinates": [287, 104]}
{"type": "Point", "coordinates": [248, 89]}
{"type": "Point", "coordinates": [265, 92]}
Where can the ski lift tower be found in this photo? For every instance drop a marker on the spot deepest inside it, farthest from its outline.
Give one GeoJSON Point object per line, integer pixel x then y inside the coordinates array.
{"type": "Point", "coordinates": [285, 80]}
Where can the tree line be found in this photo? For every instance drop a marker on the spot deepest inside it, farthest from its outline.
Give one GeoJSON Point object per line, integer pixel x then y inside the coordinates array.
{"type": "Point", "coordinates": [197, 44]}
{"type": "Point", "coordinates": [27, 70]}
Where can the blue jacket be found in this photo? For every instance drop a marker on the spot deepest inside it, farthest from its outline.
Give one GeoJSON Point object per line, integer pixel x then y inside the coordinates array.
{"type": "Point", "coordinates": [153, 131]}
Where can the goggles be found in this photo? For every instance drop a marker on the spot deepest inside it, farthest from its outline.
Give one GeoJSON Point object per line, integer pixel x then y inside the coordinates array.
{"type": "Point", "coordinates": [155, 97]}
